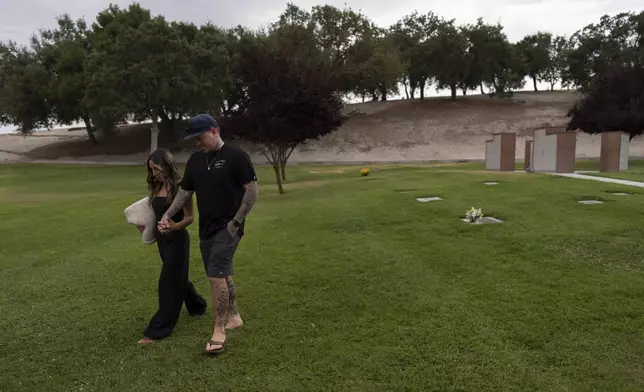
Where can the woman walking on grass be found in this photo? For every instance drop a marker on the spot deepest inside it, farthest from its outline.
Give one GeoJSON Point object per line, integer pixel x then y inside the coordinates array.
{"type": "Point", "coordinates": [174, 248]}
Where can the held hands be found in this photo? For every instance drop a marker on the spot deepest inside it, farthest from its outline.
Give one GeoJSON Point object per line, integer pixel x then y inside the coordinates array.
{"type": "Point", "coordinates": [166, 225]}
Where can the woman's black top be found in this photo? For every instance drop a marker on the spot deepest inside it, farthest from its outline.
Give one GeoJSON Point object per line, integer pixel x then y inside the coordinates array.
{"type": "Point", "coordinates": [160, 206]}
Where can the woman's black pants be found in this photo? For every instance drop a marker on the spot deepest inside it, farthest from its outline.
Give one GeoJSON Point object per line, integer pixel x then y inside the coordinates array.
{"type": "Point", "coordinates": [174, 286]}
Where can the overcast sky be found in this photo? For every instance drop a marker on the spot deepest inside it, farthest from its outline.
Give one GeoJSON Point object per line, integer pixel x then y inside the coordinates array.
{"type": "Point", "coordinates": [19, 18]}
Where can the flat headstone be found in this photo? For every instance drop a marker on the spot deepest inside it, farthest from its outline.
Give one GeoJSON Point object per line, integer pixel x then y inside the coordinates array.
{"type": "Point", "coordinates": [427, 199]}
{"type": "Point", "coordinates": [491, 183]}
{"type": "Point", "coordinates": [484, 220]}
{"type": "Point", "coordinates": [591, 202]}
{"type": "Point", "coordinates": [618, 193]}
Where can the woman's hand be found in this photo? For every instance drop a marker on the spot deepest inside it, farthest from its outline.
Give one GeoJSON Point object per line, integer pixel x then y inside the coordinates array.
{"type": "Point", "coordinates": [141, 228]}
{"type": "Point", "coordinates": [167, 226]}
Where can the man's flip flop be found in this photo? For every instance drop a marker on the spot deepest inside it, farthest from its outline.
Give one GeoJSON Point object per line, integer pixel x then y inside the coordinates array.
{"type": "Point", "coordinates": [215, 343]}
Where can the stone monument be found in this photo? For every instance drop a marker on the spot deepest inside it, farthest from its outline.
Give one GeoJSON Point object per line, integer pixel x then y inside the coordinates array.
{"type": "Point", "coordinates": [554, 150]}
{"type": "Point", "coordinates": [500, 152]}
{"type": "Point", "coordinates": [614, 152]}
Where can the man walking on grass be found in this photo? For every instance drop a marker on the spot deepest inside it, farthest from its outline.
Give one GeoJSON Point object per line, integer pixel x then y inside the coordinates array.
{"type": "Point", "coordinates": [224, 181]}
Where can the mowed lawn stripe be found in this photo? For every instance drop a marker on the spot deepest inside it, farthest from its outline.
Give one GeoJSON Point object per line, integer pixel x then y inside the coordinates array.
{"type": "Point", "coordinates": [344, 283]}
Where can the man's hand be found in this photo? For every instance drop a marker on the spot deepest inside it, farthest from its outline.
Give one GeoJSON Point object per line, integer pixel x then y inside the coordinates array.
{"type": "Point", "coordinates": [166, 225]}
{"type": "Point", "coordinates": [232, 228]}
{"type": "Point", "coordinates": [140, 228]}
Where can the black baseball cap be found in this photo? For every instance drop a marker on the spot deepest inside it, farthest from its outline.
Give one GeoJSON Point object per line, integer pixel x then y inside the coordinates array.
{"type": "Point", "coordinates": [199, 124]}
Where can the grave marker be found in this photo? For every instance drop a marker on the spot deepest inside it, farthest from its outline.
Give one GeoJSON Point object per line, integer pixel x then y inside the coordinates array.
{"type": "Point", "coordinates": [484, 220]}
{"type": "Point", "coordinates": [591, 202]}
{"type": "Point", "coordinates": [428, 199]}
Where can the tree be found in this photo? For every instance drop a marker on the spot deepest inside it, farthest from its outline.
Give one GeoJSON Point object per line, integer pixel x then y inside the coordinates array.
{"type": "Point", "coordinates": [613, 102]}
{"type": "Point", "coordinates": [202, 75]}
{"type": "Point", "coordinates": [449, 48]}
{"type": "Point", "coordinates": [535, 49]}
{"type": "Point", "coordinates": [508, 72]}
{"type": "Point", "coordinates": [239, 42]}
{"type": "Point", "coordinates": [556, 71]}
{"type": "Point", "coordinates": [146, 68]}
{"type": "Point", "coordinates": [62, 52]}
{"type": "Point", "coordinates": [290, 95]}
{"type": "Point", "coordinates": [597, 48]}
{"type": "Point", "coordinates": [373, 66]}
{"type": "Point", "coordinates": [110, 80]}
{"type": "Point", "coordinates": [23, 88]}
{"type": "Point", "coordinates": [411, 35]}
{"type": "Point", "coordinates": [335, 31]}
{"type": "Point", "coordinates": [487, 47]}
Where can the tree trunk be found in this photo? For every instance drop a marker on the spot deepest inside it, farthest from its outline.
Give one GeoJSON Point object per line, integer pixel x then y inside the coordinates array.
{"type": "Point", "coordinates": [534, 81]}
{"type": "Point", "coordinates": [374, 95]}
{"type": "Point", "coordinates": [154, 134]}
{"type": "Point", "coordinates": [406, 89]}
{"type": "Point", "coordinates": [363, 97]}
{"type": "Point", "coordinates": [165, 119]}
{"type": "Point", "coordinates": [275, 159]}
{"type": "Point", "coordinates": [383, 93]}
{"type": "Point", "coordinates": [464, 92]}
{"type": "Point", "coordinates": [284, 155]}
{"type": "Point", "coordinates": [90, 130]}
{"type": "Point", "coordinates": [421, 87]}
{"type": "Point", "coordinates": [281, 156]}
{"type": "Point", "coordinates": [453, 88]}
{"type": "Point", "coordinates": [482, 91]}
{"type": "Point", "coordinates": [276, 168]}
{"type": "Point", "coordinates": [552, 87]}
{"type": "Point", "coordinates": [168, 124]}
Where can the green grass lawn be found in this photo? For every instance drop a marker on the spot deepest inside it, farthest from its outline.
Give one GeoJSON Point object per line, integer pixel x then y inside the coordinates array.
{"type": "Point", "coordinates": [345, 283]}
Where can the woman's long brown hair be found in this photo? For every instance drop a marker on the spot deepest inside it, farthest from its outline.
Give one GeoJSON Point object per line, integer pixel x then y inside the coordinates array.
{"type": "Point", "coordinates": [164, 160]}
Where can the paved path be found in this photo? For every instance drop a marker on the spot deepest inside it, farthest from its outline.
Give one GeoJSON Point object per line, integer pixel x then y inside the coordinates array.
{"type": "Point", "coordinates": [602, 179]}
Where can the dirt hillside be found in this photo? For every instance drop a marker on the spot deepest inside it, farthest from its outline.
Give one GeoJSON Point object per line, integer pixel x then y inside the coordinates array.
{"type": "Point", "coordinates": [403, 130]}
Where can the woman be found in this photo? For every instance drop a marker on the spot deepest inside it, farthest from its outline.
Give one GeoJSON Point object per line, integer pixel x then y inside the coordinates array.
{"type": "Point", "coordinates": [174, 248]}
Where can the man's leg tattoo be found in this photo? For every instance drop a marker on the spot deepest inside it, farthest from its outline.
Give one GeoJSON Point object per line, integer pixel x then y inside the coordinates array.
{"type": "Point", "coordinates": [219, 290]}
{"type": "Point", "coordinates": [222, 303]}
{"type": "Point", "coordinates": [232, 297]}
{"type": "Point", "coordinates": [234, 319]}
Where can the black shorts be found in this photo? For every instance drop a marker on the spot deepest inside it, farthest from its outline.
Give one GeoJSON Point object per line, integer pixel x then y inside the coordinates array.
{"type": "Point", "coordinates": [217, 253]}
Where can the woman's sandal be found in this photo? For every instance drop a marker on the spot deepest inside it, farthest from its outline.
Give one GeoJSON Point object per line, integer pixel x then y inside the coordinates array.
{"type": "Point", "coordinates": [215, 343]}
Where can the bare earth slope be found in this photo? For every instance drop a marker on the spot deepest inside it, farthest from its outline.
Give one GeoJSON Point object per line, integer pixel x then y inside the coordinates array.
{"type": "Point", "coordinates": [405, 130]}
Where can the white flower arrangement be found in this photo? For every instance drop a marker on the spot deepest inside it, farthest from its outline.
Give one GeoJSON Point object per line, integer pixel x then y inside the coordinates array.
{"type": "Point", "coordinates": [473, 214]}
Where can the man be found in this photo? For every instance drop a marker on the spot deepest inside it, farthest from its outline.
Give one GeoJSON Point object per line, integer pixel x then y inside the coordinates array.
{"type": "Point", "coordinates": [224, 180]}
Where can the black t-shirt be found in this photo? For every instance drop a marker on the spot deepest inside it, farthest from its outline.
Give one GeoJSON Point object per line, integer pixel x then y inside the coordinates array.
{"type": "Point", "coordinates": [220, 189]}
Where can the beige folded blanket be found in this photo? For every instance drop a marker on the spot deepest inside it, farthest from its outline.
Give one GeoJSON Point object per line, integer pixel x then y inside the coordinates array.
{"type": "Point", "coordinates": [141, 213]}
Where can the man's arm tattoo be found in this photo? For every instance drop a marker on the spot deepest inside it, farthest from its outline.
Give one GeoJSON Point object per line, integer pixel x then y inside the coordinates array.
{"type": "Point", "coordinates": [248, 201]}
{"type": "Point", "coordinates": [178, 203]}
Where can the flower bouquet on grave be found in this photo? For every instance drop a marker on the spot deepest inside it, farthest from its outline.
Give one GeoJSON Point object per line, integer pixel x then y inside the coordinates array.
{"type": "Point", "coordinates": [364, 172]}
{"type": "Point", "coordinates": [473, 214]}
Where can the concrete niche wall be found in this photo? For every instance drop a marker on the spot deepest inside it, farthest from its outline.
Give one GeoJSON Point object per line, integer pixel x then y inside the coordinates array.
{"type": "Point", "coordinates": [554, 150]}
{"type": "Point", "coordinates": [500, 152]}
{"type": "Point", "coordinates": [614, 152]}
